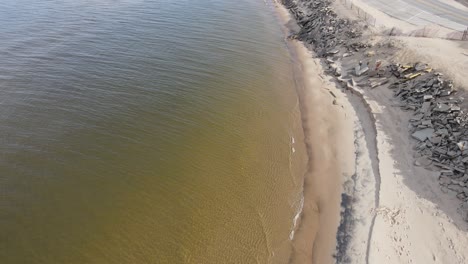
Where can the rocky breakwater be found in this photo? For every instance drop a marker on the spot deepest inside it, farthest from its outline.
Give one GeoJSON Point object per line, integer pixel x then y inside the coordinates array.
{"type": "Point", "coordinates": [321, 27]}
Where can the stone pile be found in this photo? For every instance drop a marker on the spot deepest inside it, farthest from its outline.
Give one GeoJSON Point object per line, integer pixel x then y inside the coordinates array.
{"type": "Point", "coordinates": [321, 27]}
{"type": "Point", "coordinates": [439, 124]}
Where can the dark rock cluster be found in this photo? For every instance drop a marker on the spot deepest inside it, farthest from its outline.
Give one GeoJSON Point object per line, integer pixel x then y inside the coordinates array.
{"type": "Point", "coordinates": [321, 26]}
{"type": "Point", "coordinates": [439, 124]}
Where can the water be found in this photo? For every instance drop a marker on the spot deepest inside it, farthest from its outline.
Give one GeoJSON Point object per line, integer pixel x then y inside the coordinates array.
{"type": "Point", "coordinates": [141, 131]}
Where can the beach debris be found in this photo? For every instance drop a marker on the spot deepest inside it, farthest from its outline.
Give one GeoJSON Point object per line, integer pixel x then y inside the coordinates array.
{"type": "Point", "coordinates": [361, 69]}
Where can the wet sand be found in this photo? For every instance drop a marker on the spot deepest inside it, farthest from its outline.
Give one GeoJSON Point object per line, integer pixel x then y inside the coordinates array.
{"type": "Point", "coordinates": [327, 119]}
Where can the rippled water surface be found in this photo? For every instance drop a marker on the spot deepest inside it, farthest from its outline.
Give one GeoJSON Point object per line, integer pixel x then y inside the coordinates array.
{"type": "Point", "coordinates": [146, 131]}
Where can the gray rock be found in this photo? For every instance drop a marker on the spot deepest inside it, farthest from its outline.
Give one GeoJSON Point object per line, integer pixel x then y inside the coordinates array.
{"type": "Point", "coordinates": [425, 107]}
{"type": "Point", "coordinates": [435, 140]}
{"type": "Point", "coordinates": [445, 93]}
{"type": "Point", "coordinates": [423, 161]}
{"type": "Point", "coordinates": [426, 123]}
{"type": "Point", "coordinates": [443, 132]}
{"type": "Point", "coordinates": [423, 134]}
{"type": "Point", "coordinates": [428, 97]}
{"type": "Point", "coordinates": [442, 108]}
{"type": "Point", "coordinates": [455, 187]}
{"type": "Point", "coordinates": [417, 117]}
{"type": "Point", "coordinates": [445, 180]}
{"type": "Point", "coordinates": [452, 154]}
{"type": "Point", "coordinates": [455, 109]}
{"type": "Point", "coordinates": [440, 151]}
{"type": "Point", "coordinates": [464, 178]}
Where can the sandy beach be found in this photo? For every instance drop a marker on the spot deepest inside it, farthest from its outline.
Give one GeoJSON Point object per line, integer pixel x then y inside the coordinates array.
{"type": "Point", "coordinates": [394, 209]}
{"type": "Point", "coordinates": [327, 117]}
{"type": "Point", "coordinates": [325, 124]}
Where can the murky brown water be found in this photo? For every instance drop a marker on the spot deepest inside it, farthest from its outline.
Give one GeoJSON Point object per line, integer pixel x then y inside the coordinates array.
{"type": "Point", "coordinates": [140, 131]}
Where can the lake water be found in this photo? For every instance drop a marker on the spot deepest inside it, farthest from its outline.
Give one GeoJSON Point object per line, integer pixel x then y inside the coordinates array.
{"type": "Point", "coordinates": [147, 131]}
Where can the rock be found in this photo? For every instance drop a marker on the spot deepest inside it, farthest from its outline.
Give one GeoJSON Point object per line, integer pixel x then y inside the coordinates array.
{"type": "Point", "coordinates": [423, 134]}
{"type": "Point", "coordinates": [426, 123]}
{"type": "Point", "coordinates": [417, 117]}
{"type": "Point", "coordinates": [423, 161]}
{"type": "Point", "coordinates": [425, 107]}
{"type": "Point", "coordinates": [445, 180]}
{"type": "Point", "coordinates": [445, 93]}
{"type": "Point", "coordinates": [428, 97]}
{"type": "Point", "coordinates": [464, 178]}
{"type": "Point", "coordinates": [442, 108]}
{"type": "Point", "coordinates": [455, 109]}
{"type": "Point", "coordinates": [442, 132]}
{"type": "Point", "coordinates": [455, 187]}
{"type": "Point", "coordinates": [435, 140]}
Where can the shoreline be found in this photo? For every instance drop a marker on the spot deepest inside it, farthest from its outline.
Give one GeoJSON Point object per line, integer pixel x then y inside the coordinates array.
{"type": "Point", "coordinates": [324, 122]}
{"type": "Point", "coordinates": [388, 225]}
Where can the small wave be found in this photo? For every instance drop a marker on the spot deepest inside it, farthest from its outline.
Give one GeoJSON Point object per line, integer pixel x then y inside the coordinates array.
{"type": "Point", "coordinates": [296, 217]}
